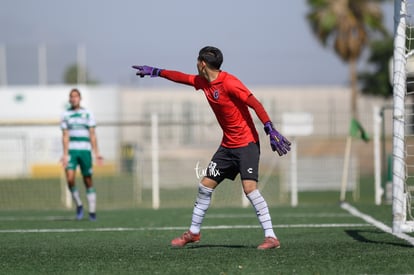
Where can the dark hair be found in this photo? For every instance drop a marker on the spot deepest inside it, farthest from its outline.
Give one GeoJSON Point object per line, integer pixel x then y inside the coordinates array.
{"type": "Point", "coordinates": [212, 56]}
{"type": "Point", "coordinates": [74, 90]}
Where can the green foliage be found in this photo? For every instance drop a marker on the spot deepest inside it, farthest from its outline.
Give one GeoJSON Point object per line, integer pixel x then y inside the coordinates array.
{"type": "Point", "coordinates": [71, 75]}
{"type": "Point", "coordinates": [377, 80]}
{"type": "Point", "coordinates": [346, 23]}
{"type": "Point", "coordinates": [322, 20]}
{"type": "Point", "coordinates": [317, 3]}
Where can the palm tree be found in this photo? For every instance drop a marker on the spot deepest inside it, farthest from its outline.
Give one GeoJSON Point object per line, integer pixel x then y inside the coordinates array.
{"type": "Point", "coordinates": [346, 25]}
{"type": "Point", "coordinates": [377, 80]}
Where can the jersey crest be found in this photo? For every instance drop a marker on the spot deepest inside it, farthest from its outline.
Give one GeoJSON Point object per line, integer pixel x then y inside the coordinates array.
{"type": "Point", "coordinates": [216, 94]}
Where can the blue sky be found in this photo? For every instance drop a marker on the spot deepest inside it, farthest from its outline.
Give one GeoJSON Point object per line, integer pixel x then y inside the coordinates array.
{"type": "Point", "coordinates": [264, 42]}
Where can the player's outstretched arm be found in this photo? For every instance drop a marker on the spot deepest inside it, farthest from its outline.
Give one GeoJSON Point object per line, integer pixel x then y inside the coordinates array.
{"type": "Point", "coordinates": [147, 70]}
{"type": "Point", "coordinates": [278, 142]}
{"type": "Point", "coordinates": [179, 77]}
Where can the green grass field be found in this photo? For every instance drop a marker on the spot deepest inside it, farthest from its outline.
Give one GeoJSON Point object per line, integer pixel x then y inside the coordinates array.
{"type": "Point", "coordinates": [315, 239]}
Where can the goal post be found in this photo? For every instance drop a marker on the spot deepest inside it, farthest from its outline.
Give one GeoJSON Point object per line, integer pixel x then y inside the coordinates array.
{"type": "Point", "coordinates": [403, 145]}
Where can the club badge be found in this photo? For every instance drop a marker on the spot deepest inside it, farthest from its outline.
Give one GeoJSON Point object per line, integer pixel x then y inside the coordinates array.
{"type": "Point", "coordinates": [216, 94]}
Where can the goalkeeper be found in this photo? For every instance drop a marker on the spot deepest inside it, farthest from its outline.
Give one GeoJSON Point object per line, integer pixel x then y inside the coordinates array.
{"type": "Point", "coordinates": [239, 150]}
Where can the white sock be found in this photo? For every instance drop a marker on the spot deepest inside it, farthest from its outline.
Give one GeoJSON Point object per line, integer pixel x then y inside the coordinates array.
{"type": "Point", "coordinates": [75, 195]}
{"type": "Point", "coordinates": [200, 207]}
{"type": "Point", "coordinates": [91, 196]}
{"type": "Point", "coordinates": [262, 212]}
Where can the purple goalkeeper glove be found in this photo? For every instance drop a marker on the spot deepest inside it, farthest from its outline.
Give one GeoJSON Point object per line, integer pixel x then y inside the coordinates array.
{"type": "Point", "coordinates": [147, 70]}
{"type": "Point", "coordinates": [279, 143]}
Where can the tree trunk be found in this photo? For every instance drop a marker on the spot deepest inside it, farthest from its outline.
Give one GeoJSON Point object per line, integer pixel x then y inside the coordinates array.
{"type": "Point", "coordinates": [354, 88]}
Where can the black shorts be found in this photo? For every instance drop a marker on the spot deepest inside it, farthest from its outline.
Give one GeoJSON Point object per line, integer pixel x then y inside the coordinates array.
{"type": "Point", "coordinates": [229, 162]}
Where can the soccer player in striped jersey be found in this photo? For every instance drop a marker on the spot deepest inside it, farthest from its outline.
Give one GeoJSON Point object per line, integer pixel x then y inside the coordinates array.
{"type": "Point", "coordinates": [79, 141]}
{"type": "Point", "coordinates": [239, 150]}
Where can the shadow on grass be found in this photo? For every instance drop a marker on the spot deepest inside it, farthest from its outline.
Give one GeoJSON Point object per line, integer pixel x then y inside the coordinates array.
{"type": "Point", "coordinates": [358, 235]}
{"type": "Point", "coordinates": [217, 245]}
{"type": "Point", "coordinates": [64, 219]}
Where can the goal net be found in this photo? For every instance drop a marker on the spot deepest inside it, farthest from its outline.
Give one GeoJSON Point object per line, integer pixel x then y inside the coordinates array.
{"type": "Point", "coordinates": [403, 117]}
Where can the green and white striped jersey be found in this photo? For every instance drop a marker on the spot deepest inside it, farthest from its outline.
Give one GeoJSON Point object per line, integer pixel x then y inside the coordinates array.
{"type": "Point", "coordinates": [78, 123]}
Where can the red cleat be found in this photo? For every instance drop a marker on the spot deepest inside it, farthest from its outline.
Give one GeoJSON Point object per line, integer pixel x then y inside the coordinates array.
{"type": "Point", "coordinates": [269, 243]}
{"type": "Point", "coordinates": [186, 238]}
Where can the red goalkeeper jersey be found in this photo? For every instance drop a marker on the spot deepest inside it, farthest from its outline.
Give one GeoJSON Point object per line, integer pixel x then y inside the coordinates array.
{"type": "Point", "coordinates": [229, 99]}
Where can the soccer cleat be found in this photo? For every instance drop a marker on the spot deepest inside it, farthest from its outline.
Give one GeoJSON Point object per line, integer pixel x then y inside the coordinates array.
{"type": "Point", "coordinates": [79, 212]}
{"type": "Point", "coordinates": [269, 243]}
{"type": "Point", "coordinates": [186, 238]}
{"type": "Point", "coordinates": [92, 217]}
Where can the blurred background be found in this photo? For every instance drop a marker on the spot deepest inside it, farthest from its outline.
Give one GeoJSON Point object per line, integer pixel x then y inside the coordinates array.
{"type": "Point", "coordinates": [321, 68]}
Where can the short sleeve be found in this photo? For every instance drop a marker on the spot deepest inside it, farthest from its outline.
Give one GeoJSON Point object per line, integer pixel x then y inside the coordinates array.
{"type": "Point", "coordinates": [63, 122]}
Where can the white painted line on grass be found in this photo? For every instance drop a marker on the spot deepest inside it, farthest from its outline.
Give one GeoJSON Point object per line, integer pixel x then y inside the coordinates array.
{"type": "Point", "coordinates": [215, 227]}
{"type": "Point", "coordinates": [36, 218]}
{"type": "Point", "coordinates": [210, 216]}
{"type": "Point", "coordinates": [355, 212]}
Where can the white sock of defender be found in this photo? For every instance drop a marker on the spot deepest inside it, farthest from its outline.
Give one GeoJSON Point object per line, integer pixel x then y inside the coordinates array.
{"type": "Point", "coordinates": [262, 212]}
{"type": "Point", "coordinates": [200, 207]}
{"type": "Point", "coordinates": [75, 195]}
{"type": "Point", "coordinates": [91, 196]}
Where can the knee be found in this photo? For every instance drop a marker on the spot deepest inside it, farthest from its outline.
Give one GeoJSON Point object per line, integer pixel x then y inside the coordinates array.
{"type": "Point", "coordinates": [88, 181]}
{"type": "Point", "coordinates": [70, 180]}
{"type": "Point", "coordinates": [249, 186]}
{"type": "Point", "coordinates": [209, 183]}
